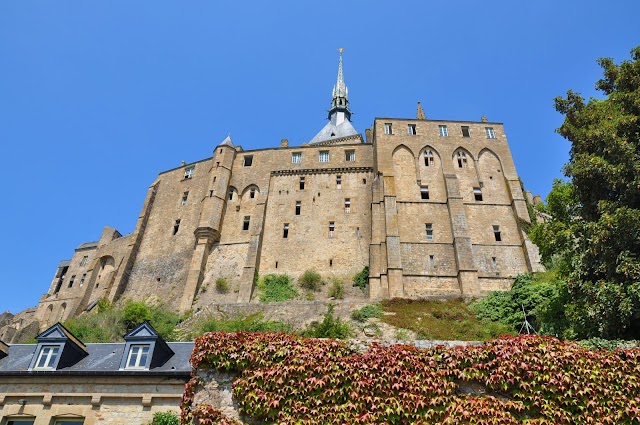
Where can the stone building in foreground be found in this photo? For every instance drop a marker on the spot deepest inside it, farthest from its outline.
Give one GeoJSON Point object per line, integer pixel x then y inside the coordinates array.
{"type": "Point", "coordinates": [433, 207]}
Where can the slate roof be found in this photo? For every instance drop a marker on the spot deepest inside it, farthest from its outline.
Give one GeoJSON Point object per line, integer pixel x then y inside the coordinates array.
{"type": "Point", "coordinates": [103, 359]}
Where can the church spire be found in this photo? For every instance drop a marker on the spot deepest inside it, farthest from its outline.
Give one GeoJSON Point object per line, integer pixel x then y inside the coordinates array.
{"type": "Point", "coordinates": [340, 99]}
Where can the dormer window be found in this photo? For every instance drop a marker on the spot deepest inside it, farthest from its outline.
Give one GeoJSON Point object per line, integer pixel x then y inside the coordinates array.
{"type": "Point", "coordinates": [47, 357]}
{"type": "Point", "coordinates": [137, 357]}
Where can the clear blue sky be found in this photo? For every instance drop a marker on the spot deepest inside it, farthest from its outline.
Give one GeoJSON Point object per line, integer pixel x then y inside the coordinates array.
{"type": "Point", "coordinates": [97, 97]}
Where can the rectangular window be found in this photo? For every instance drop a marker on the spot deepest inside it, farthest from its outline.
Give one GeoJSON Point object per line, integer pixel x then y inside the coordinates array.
{"type": "Point", "coordinates": [428, 158]}
{"type": "Point", "coordinates": [411, 129]}
{"type": "Point", "coordinates": [248, 160]}
{"type": "Point", "coordinates": [324, 156]}
{"type": "Point", "coordinates": [74, 421]}
{"type": "Point", "coordinates": [350, 156]}
{"type": "Point", "coordinates": [296, 157]}
{"type": "Point", "coordinates": [496, 233]}
{"type": "Point", "coordinates": [494, 263]}
{"type": "Point", "coordinates": [285, 231]}
{"type": "Point", "coordinates": [477, 193]}
{"type": "Point", "coordinates": [47, 357]}
{"type": "Point", "coordinates": [298, 207]}
{"type": "Point", "coordinates": [424, 192]}
{"type": "Point", "coordinates": [388, 128]}
{"type": "Point", "coordinates": [84, 276]}
{"type": "Point", "coordinates": [462, 159]}
{"type": "Point", "coordinates": [245, 222]}
{"type": "Point", "coordinates": [183, 201]}
{"type": "Point", "coordinates": [490, 133]}
{"type": "Point", "coordinates": [347, 205]}
{"type": "Point", "coordinates": [444, 132]}
{"type": "Point", "coordinates": [332, 228]}
{"type": "Point", "coordinates": [21, 421]}
{"type": "Point", "coordinates": [231, 194]}
{"type": "Point", "coordinates": [176, 226]}
{"type": "Point", "coordinates": [301, 183]}
{"type": "Point", "coordinates": [432, 262]}
{"type": "Point", "coordinates": [429, 230]}
{"type": "Point", "coordinates": [73, 278]}
{"type": "Point", "coordinates": [338, 182]}
{"type": "Point", "coordinates": [188, 172]}
{"type": "Point", "coordinates": [211, 194]}
{"type": "Point", "coordinates": [84, 261]}
{"type": "Point", "coordinates": [137, 358]}
{"type": "Point", "coordinates": [252, 193]}
{"type": "Point", "coordinates": [465, 131]}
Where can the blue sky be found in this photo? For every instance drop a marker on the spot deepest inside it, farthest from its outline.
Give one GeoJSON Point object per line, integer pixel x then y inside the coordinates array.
{"type": "Point", "coordinates": [97, 97]}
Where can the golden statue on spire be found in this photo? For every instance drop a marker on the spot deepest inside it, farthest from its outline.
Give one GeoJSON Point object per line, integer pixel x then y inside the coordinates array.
{"type": "Point", "coordinates": [341, 49]}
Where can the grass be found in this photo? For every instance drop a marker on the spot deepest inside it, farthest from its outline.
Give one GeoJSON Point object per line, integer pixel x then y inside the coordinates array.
{"type": "Point", "coordinates": [445, 320]}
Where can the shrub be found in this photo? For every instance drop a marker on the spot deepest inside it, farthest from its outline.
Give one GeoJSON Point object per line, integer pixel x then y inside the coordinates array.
{"type": "Point", "coordinates": [276, 288]}
{"type": "Point", "coordinates": [367, 312]}
{"type": "Point", "coordinates": [311, 280]}
{"type": "Point", "coordinates": [222, 285]}
{"type": "Point", "coordinates": [337, 289]}
{"type": "Point", "coordinates": [330, 327]}
{"type": "Point", "coordinates": [134, 313]}
{"type": "Point", "coordinates": [360, 279]}
{"type": "Point", "coordinates": [251, 323]}
{"type": "Point", "coordinates": [165, 418]}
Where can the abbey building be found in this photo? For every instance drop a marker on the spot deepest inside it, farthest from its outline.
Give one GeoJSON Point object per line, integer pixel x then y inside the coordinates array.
{"type": "Point", "coordinates": [433, 207]}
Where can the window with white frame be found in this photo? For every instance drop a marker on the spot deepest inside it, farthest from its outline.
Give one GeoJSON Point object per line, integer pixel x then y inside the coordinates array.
{"type": "Point", "coordinates": [491, 134]}
{"type": "Point", "coordinates": [137, 357]}
{"type": "Point", "coordinates": [298, 207]}
{"type": "Point", "coordinates": [296, 157]}
{"type": "Point", "coordinates": [350, 156]}
{"type": "Point", "coordinates": [411, 129]}
{"type": "Point", "coordinates": [332, 228]}
{"type": "Point", "coordinates": [285, 231]}
{"type": "Point", "coordinates": [324, 156]}
{"type": "Point", "coordinates": [185, 196]}
{"type": "Point", "coordinates": [338, 182]}
{"type": "Point", "coordinates": [428, 158]}
{"type": "Point", "coordinates": [462, 159]}
{"type": "Point", "coordinates": [443, 131]}
{"type": "Point", "coordinates": [47, 356]}
{"type": "Point", "coordinates": [347, 205]}
{"type": "Point", "coordinates": [188, 172]}
{"type": "Point", "coordinates": [429, 229]}
{"type": "Point", "coordinates": [302, 181]}
{"type": "Point", "coordinates": [388, 128]}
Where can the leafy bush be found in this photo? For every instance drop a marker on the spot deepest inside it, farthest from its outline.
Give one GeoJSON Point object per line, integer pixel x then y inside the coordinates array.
{"type": "Point", "coordinates": [134, 313]}
{"type": "Point", "coordinates": [222, 285]}
{"type": "Point", "coordinates": [337, 289]}
{"type": "Point", "coordinates": [165, 418]}
{"type": "Point", "coordinates": [367, 312]}
{"type": "Point", "coordinates": [606, 344]}
{"type": "Point", "coordinates": [511, 380]}
{"type": "Point", "coordinates": [311, 280]}
{"type": "Point", "coordinates": [360, 280]}
{"type": "Point", "coordinates": [276, 288]}
{"type": "Point", "coordinates": [330, 327]}
{"type": "Point", "coordinates": [251, 323]}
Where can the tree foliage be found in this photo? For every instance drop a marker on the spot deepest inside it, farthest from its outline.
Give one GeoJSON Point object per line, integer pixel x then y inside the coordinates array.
{"type": "Point", "coordinates": [596, 226]}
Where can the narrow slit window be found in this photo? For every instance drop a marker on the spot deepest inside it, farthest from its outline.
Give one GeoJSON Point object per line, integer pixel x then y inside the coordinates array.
{"type": "Point", "coordinates": [245, 222]}
{"type": "Point", "coordinates": [285, 231]}
{"type": "Point", "coordinates": [432, 262]}
{"type": "Point", "coordinates": [276, 264]}
{"type": "Point", "coordinates": [477, 193]}
{"type": "Point", "coordinates": [176, 226]}
{"type": "Point", "coordinates": [411, 129]}
{"type": "Point", "coordinates": [443, 131]}
{"type": "Point", "coordinates": [185, 196]}
{"type": "Point", "coordinates": [466, 132]}
{"type": "Point", "coordinates": [347, 205]}
{"type": "Point", "coordinates": [84, 276]}
{"type": "Point", "coordinates": [429, 229]}
{"type": "Point", "coordinates": [331, 262]}
{"type": "Point", "coordinates": [73, 279]}
{"type": "Point", "coordinates": [364, 181]}
{"type": "Point", "coordinates": [496, 233]}
{"type": "Point", "coordinates": [252, 193]}
{"type": "Point", "coordinates": [332, 228]}
{"type": "Point", "coordinates": [298, 207]}
{"type": "Point", "coordinates": [428, 158]}
{"type": "Point", "coordinates": [338, 182]}
{"type": "Point", "coordinates": [301, 183]}
{"type": "Point", "coordinates": [424, 192]}
{"type": "Point", "coordinates": [211, 194]}
{"type": "Point", "coordinates": [494, 263]}
{"type": "Point", "coordinates": [231, 195]}
{"type": "Point", "coordinates": [324, 156]}
{"type": "Point", "coordinates": [248, 160]}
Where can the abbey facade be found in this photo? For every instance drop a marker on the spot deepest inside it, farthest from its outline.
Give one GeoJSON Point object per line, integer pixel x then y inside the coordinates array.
{"type": "Point", "coordinates": [433, 207]}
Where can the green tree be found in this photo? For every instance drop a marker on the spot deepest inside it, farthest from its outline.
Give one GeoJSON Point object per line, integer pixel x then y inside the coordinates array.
{"type": "Point", "coordinates": [603, 280]}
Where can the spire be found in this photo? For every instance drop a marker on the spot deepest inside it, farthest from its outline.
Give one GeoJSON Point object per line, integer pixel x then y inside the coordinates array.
{"type": "Point", "coordinates": [340, 100]}
{"type": "Point", "coordinates": [420, 115]}
{"type": "Point", "coordinates": [227, 142]}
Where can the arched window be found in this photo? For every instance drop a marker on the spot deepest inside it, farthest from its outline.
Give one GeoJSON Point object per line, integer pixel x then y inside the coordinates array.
{"type": "Point", "coordinates": [428, 158]}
